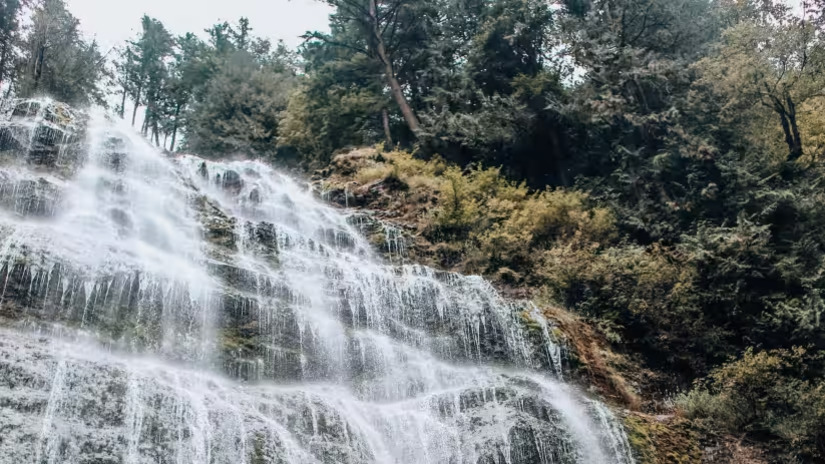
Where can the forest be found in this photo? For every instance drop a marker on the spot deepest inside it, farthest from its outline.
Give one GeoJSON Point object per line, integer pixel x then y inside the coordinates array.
{"type": "Point", "coordinates": [654, 166]}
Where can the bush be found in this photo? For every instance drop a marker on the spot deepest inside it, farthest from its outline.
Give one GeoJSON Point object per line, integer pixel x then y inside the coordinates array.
{"type": "Point", "coordinates": [499, 227]}
{"type": "Point", "coordinates": [509, 223]}
{"type": "Point", "coordinates": [774, 395]}
{"type": "Point", "coordinates": [700, 403]}
{"type": "Point", "coordinates": [646, 295]}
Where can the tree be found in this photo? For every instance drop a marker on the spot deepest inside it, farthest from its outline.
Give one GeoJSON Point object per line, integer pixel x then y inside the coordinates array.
{"type": "Point", "coordinates": [124, 65]}
{"type": "Point", "coordinates": [369, 27]}
{"type": "Point", "coordinates": [241, 109]}
{"type": "Point", "coordinates": [227, 95]}
{"type": "Point", "coordinates": [56, 60]}
{"type": "Point", "coordinates": [776, 63]}
{"type": "Point", "coordinates": [188, 72]}
{"type": "Point", "coordinates": [340, 104]}
{"type": "Point", "coordinates": [145, 71]}
{"type": "Point", "coordinates": [489, 103]}
{"type": "Point", "coordinates": [9, 29]}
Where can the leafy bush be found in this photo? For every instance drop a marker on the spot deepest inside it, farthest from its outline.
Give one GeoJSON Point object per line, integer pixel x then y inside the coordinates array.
{"type": "Point", "coordinates": [776, 395]}
{"type": "Point", "coordinates": [498, 227]}
{"type": "Point", "coordinates": [646, 295]}
{"type": "Point", "coordinates": [508, 222]}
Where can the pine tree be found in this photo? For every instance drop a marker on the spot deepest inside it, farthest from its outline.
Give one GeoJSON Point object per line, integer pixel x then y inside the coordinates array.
{"type": "Point", "coordinates": [144, 71]}
{"type": "Point", "coordinates": [56, 60]}
{"type": "Point", "coordinates": [9, 30]}
{"type": "Point", "coordinates": [369, 27]}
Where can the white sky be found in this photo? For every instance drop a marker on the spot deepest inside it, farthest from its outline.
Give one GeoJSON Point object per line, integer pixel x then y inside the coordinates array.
{"type": "Point", "coordinates": [113, 21]}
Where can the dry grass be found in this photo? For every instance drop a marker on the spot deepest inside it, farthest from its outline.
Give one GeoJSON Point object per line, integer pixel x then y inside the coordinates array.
{"type": "Point", "coordinates": [602, 366]}
{"type": "Point", "coordinates": [377, 172]}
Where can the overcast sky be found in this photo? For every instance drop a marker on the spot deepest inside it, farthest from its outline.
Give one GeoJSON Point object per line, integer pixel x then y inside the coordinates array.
{"type": "Point", "coordinates": [113, 21]}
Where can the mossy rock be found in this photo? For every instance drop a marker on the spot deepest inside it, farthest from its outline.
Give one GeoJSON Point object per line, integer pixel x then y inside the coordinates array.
{"type": "Point", "coordinates": [218, 228]}
{"type": "Point", "coordinates": [662, 440]}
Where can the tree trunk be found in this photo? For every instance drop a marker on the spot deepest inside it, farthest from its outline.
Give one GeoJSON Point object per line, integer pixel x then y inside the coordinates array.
{"type": "Point", "coordinates": [123, 103]}
{"type": "Point", "coordinates": [144, 128]}
{"type": "Point", "coordinates": [395, 86]}
{"type": "Point", "coordinates": [175, 128]}
{"type": "Point", "coordinates": [137, 103]}
{"type": "Point", "coordinates": [385, 116]}
{"type": "Point", "coordinates": [156, 131]}
{"type": "Point", "coordinates": [787, 117]}
{"type": "Point", "coordinates": [796, 148]}
{"type": "Point", "coordinates": [4, 56]}
{"type": "Point", "coordinates": [38, 66]}
{"type": "Point", "coordinates": [558, 158]}
{"type": "Point", "coordinates": [398, 95]}
{"type": "Point", "coordinates": [147, 116]}
{"type": "Point", "coordinates": [786, 129]}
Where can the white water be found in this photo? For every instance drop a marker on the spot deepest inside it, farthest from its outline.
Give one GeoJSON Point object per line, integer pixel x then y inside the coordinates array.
{"type": "Point", "coordinates": [181, 311]}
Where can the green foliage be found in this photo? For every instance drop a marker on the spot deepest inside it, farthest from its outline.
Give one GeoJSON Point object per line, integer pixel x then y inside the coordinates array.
{"type": "Point", "coordinates": [240, 111]}
{"type": "Point", "coordinates": [774, 63]}
{"type": "Point", "coordinates": [225, 95]}
{"type": "Point", "coordinates": [504, 223]}
{"type": "Point", "coordinates": [655, 165]}
{"type": "Point", "coordinates": [9, 35]}
{"type": "Point", "coordinates": [655, 442]}
{"type": "Point", "coordinates": [337, 106]}
{"type": "Point", "coordinates": [145, 73]}
{"type": "Point", "coordinates": [777, 395]}
{"type": "Point", "coordinates": [509, 223]}
{"type": "Point", "coordinates": [56, 60]}
{"type": "Point", "coordinates": [645, 296]}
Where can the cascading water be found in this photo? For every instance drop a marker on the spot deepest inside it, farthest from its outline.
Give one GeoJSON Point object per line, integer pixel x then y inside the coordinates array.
{"type": "Point", "coordinates": [162, 310]}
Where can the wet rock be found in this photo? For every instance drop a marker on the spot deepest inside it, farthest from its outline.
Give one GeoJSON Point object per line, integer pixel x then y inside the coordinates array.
{"type": "Point", "coordinates": [231, 182]}
{"type": "Point", "coordinates": [235, 277]}
{"type": "Point", "coordinates": [219, 229]}
{"type": "Point", "coordinates": [203, 171]}
{"type": "Point", "coordinates": [115, 156]}
{"type": "Point", "coordinates": [45, 134]}
{"type": "Point", "coordinates": [122, 219]}
{"type": "Point", "coordinates": [255, 196]}
{"type": "Point", "coordinates": [26, 108]}
{"type": "Point", "coordinates": [29, 197]}
{"type": "Point", "coordinates": [262, 241]}
{"type": "Point", "coordinates": [10, 140]}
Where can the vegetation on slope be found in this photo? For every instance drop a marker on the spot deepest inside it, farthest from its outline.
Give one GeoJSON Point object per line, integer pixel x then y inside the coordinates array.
{"type": "Point", "coordinates": [559, 246]}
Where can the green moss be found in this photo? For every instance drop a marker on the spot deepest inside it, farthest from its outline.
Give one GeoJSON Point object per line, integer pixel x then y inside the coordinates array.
{"type": "Point", "coordinates": [259, 454]}
{"type": "Point", "coordinates": [239, 341]}
{"type": "Point", "coordinates": [218, 229]}
{"type": "Point", "coordinates": [530, 323]}
{"type": "Point", "coordinates": [640, 440]}
{"type": "Point", "coordinates": [667, 441]}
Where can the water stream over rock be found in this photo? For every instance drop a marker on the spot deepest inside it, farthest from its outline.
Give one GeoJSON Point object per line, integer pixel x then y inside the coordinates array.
{"type": "Point", "coordinates": [177, 310]}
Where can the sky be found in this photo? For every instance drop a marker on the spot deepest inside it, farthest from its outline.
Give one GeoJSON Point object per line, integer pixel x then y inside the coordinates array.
{"type": "Point", "coordinates": [114, 21]}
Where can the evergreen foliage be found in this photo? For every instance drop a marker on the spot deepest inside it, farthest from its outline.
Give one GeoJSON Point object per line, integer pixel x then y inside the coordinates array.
{"type": "Point", "coordinates": [221, 96]}
{"type": "Point", "coordinates": [54, 58]}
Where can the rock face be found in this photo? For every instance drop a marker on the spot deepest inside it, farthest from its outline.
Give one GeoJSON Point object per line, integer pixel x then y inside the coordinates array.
{"type": "Point", "coordinates": [42, 133]}
{"type": "Point", "coordinates": [184, 311]}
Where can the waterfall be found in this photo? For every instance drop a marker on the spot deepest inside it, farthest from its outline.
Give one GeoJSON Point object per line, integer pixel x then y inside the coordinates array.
{"type": "Point", "coordinates": [161, 309]}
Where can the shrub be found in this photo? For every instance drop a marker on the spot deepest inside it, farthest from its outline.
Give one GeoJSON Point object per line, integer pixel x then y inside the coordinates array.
{"type": "Point", "coordinates": [774, 395]}
{"type": "Point", "coordinates": [373, 173]}
{"type": "Point", "coordinates": [509, 223]}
